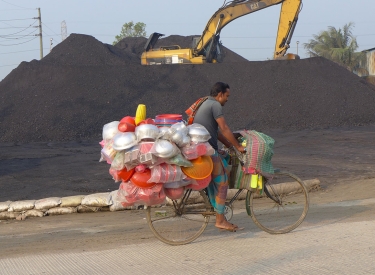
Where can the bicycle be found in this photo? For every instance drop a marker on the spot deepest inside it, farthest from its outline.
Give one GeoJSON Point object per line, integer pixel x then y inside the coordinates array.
{"type": "Point", "coordinates": [279, 207]}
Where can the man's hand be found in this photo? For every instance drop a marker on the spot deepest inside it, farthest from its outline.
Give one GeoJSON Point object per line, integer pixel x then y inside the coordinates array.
{"type": "Point", "coordinates": [241, 149]}
{"type": "Point", "coordinates": [226, 136]}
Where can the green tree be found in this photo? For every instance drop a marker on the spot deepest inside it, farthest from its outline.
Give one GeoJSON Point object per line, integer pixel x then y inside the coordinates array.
{"type": "Point", "coordinates": [131, 30]}
{"type": "Point", "coordinates": [338, 45]}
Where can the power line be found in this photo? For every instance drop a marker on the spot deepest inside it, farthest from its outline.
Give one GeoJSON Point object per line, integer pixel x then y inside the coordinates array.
{"type": "Point", "coordinates": [49, 28]}
{"type": "Point", "coordinates": [14, 28]}
{"type": "Point", "coordinates": [19, 43]}
{"type": "Point", "coordinates": [16, 5]}
{"type": "Point", "coordinates": [23, 36]}
{"type": "Point", "coordinates": [9, 65]}
{"type": "Point", "coordinates": [21, 51]}
{"type": "Point", "coordinates": [15, 19]}
{"type": "Point", "coordinates": [3, 36]}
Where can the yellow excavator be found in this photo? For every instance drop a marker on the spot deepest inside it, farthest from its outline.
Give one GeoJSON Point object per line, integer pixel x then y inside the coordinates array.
{"type": "Point", "coordinates": [206, 48]}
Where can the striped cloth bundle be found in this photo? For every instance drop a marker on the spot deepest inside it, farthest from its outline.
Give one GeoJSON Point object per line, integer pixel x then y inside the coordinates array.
{"type": "Point", "coordinates": [259, 152]}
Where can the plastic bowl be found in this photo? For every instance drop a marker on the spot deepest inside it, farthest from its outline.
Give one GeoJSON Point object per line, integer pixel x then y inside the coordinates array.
{"type": "Point", "coordinates": [174, 193]}
{"type": "Point", "coordinates": [202, 168]}
{"type": "Point", "coordinates": [122, 141]}
{"type": "Point", "coordinates": [140, 179]}
{"type": "Point", "coordinates": [169, 116]}
{"type": "Point", "coordinates": [124, 174]}
{"type": "Point", "coordinates": [199, 184]}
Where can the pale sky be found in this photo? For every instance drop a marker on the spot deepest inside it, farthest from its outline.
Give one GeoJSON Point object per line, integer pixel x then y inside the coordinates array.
{"type": "Point", "coordinates": [252, 36]}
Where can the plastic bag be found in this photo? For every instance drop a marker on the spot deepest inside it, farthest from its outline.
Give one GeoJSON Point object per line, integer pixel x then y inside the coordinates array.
{"type": "Point", "coordinates": [97, 200]}
{"type": "Point", "coordinates": [131, 157]}
{"type": "Point", "coordinates": [61, 211]}
{"type": "Point", "coordinates": [152, 196]}
{"type": "Point", "coordinates": [177, 184]}
{"type": "Point", "coordinates": [174, 193]}
{"type": "Point", "coordinates": [34, 213]}
{"type": "Point", "coordinates": [166, 173]}
{"type": "Point", "coordinates": [180, 126]}
{"type": "Point", "coordinates": [127, 194]}
{"type": "Point", "coordinates": [9, 215]}
{"type": "Point", "coordinates": [118, 161]}
{"type": "Point", "coordinates": [18, 206]}
{"type": "Point", "coordinates": [107, 152]}
{"type": "Point", "coordinates": [209, 149]}
{"type": "Point", "coordinates": [87, 209]}
{"type": "Point", "coordinates": [199, 184]}
{"type": "Point", "coordinates": [114, 174]}
{"type": "Point", "coordinates": [47, 203]}
{"type": "Point", "coordinates": [179, 160]}
{"type": "Point", "coordinates": [117, 205]}
{"type": "Point", "coordinates": [4, 205]}
{"type": "Point", "coordinates": [110, 130]}
{"type": "Point", "coordinates": [198, 133]}
{"type": "Point", "coordinates": [196, 150]}
{"type": "Point", "coordinates": [71, 201]}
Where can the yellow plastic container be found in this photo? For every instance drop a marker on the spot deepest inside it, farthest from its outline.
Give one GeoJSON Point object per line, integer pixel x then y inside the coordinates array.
{"type": "Point", "coordinates": [254, 181]}
{"type": "Point", "coordinates": [140, 114]}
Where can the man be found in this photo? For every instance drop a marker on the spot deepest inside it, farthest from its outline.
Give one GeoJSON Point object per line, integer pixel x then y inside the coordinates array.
{"type": "Point", "coordinates": [210, 115]}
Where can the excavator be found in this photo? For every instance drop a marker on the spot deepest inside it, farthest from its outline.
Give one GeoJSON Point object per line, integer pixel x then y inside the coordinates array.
{"type": "Point", "coordinates": [207, 47]}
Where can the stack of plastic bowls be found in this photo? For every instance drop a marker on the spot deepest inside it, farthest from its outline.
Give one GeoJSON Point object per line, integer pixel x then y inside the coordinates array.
{"type": "Point", "coordinates": [166, 120]}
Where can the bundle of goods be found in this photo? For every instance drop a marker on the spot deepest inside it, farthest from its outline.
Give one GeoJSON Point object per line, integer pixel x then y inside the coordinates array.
{"type": "Point", "coordinates": [256, 161]}
{"type": "Point", "coordinates": [156, 158]}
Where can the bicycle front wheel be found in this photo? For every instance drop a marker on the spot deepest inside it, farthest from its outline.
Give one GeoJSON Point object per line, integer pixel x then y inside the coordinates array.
{"type": "Point", "coordinates": [282, 206]}
{"type": "Point", "coordinates": [181, 221]}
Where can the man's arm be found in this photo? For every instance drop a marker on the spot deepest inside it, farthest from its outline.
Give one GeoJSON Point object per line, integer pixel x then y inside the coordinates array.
{"type": "Point", "coordinates": [226, 136]}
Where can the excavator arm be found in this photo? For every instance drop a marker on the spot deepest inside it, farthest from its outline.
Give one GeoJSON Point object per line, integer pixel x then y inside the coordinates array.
{"type": "Point", "coordinates": [237, 8]}
{"type": "Point", "coordinates": [207, 48]}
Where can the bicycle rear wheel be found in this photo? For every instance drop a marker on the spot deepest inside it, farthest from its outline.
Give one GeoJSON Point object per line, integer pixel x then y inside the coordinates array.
{"type": "Point", "coordinates": [283, 205]}
{"type": "Point", "coordinates": [181, 221]}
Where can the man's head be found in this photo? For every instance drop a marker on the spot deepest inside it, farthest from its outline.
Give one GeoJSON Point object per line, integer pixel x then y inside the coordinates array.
{"type": "Point", "coordinates": [220, 91]}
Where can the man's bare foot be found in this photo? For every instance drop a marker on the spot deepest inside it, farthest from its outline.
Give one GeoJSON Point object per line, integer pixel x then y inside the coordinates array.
{"type": "Point", "coordinates": [222, 223]}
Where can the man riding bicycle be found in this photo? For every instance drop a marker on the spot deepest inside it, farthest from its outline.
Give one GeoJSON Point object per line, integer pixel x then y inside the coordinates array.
{"type": "Point", "coordinates": [207, 111]}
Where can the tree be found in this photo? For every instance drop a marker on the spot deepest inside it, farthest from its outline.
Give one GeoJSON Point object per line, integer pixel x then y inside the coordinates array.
{"type": "Point", "coordinates": [337, 45]}
{"type": "Point", "coordinates": [131, 30]}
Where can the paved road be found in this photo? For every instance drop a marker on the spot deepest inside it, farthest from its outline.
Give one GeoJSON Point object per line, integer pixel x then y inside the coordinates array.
{"type": "Point", "coordinates": [335, 238]}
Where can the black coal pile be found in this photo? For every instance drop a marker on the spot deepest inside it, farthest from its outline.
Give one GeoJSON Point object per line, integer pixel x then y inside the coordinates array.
{"type": "Point", "coordinates": [83, 84]}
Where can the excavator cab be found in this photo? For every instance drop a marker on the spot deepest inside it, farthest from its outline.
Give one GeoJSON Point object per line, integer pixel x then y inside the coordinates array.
{"type": "Point", "coordinates": [154, 37]}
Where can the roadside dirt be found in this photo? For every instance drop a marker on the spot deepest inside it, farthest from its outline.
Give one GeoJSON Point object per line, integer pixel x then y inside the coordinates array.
{"type": "Point", "coordinates": [342, 159]}
{"type": "Point", "coordinates": [337, 157]}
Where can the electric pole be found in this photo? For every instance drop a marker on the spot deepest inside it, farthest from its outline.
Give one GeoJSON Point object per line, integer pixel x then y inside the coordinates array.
{"type": "Point", "coordinates": [40, 33]}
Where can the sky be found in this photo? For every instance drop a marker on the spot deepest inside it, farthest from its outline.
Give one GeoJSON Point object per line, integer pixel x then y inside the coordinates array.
{"type": "Point", "coordinates": [252, 36]}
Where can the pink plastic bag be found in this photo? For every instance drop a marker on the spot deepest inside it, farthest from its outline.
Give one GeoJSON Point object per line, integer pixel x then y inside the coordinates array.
{"type": "Point", "coordinates": [166, 173]}
{"type": "Point", "coordinates": [129, 194]}
{"type": "Point", "coordinates": [196, 150]}
{"type": "Point", "coordinates": [152, 196]}
{"type": "Point", "coordinates": [114, 174]}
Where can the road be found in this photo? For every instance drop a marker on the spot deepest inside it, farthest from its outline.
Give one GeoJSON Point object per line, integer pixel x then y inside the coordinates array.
{"type": "Point", "coordinates": [335, 238]}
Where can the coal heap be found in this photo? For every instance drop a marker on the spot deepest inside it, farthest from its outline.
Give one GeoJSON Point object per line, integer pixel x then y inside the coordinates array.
{"type": "Point", "coordinates": [83, 84]}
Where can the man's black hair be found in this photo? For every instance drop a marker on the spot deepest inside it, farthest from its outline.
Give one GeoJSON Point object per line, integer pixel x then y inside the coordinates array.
{"type": "Point", "coordinates": [219, 87]}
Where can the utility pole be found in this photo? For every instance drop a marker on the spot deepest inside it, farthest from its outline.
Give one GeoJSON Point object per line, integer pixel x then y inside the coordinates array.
{"type": "Point", "coordinates": [40, 33]}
